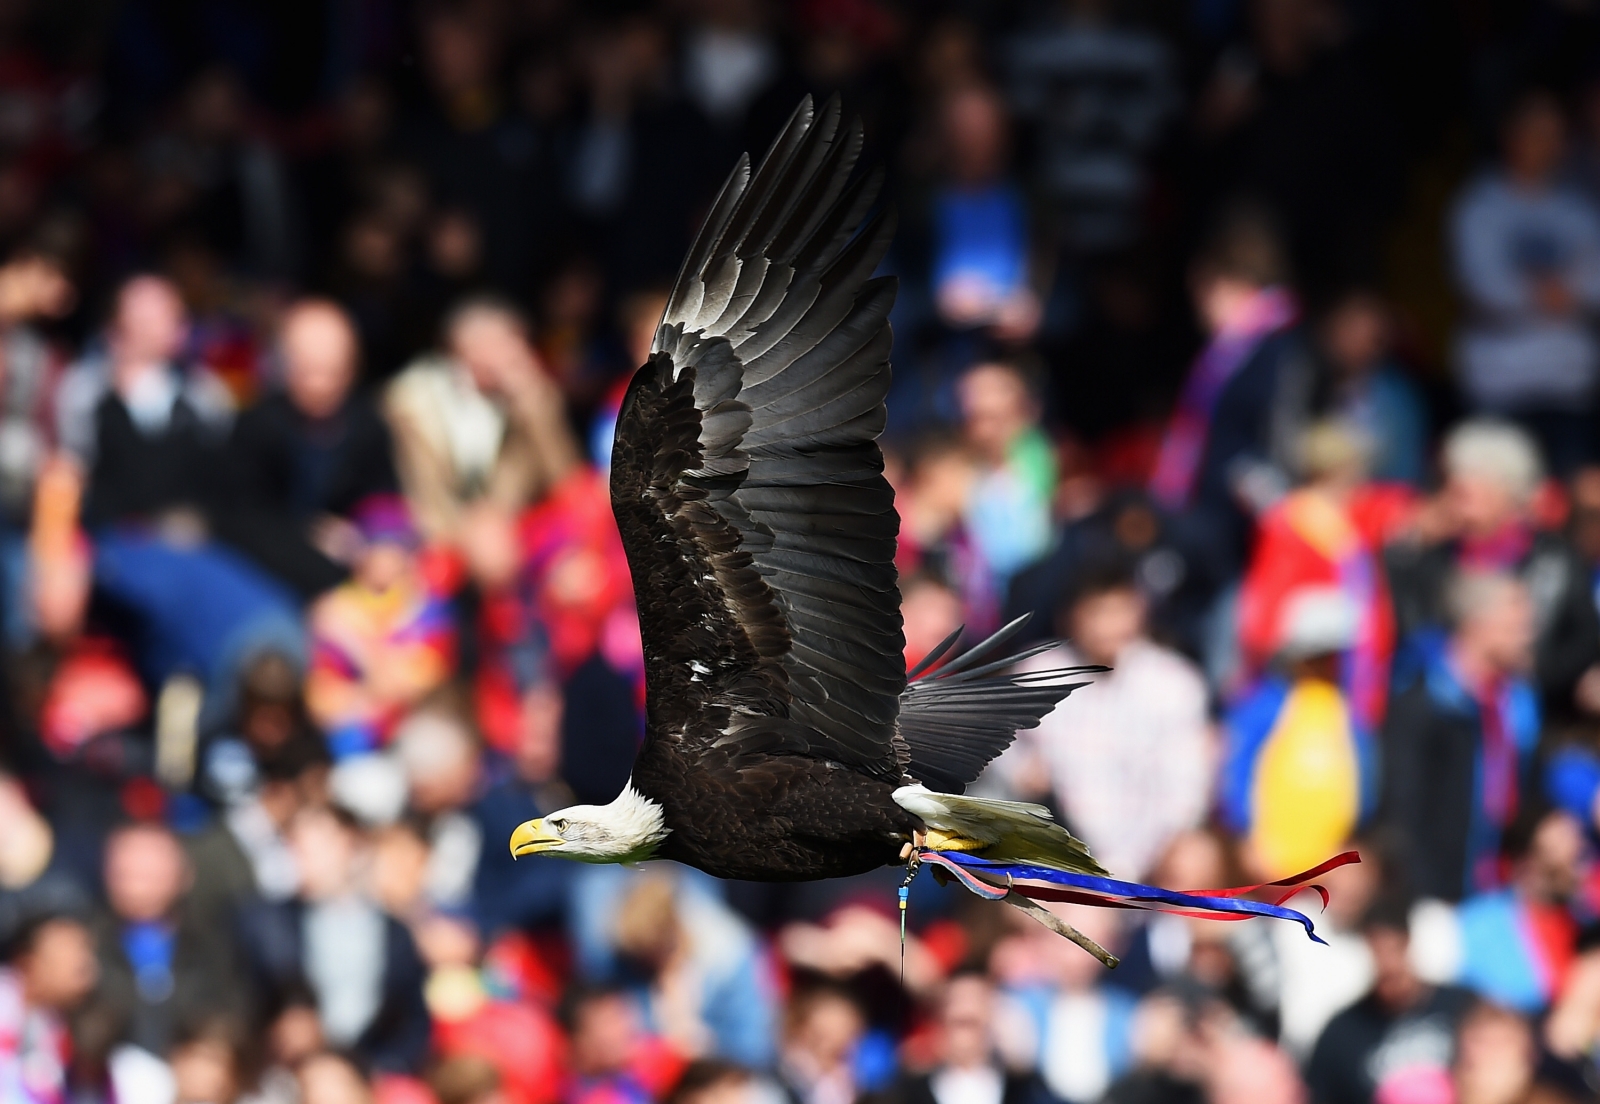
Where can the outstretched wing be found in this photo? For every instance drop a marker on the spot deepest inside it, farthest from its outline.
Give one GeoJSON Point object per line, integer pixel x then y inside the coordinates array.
{"type": "Point", "coordinates": [746, 478]}
{"type": "Point", "coordinates": [962, 715]}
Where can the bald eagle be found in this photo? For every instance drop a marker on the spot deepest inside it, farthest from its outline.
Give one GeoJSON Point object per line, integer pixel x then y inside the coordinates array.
{"type": "Point", "coordinates": [784, 738]}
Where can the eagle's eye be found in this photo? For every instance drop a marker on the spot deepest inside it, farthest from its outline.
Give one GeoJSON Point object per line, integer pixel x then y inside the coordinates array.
{"type": "Point", "coordinates": [559, 823]}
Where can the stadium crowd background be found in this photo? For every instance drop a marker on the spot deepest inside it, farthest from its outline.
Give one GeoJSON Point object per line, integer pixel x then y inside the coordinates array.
{"type": "Point", "coordinates": [1250, 344]}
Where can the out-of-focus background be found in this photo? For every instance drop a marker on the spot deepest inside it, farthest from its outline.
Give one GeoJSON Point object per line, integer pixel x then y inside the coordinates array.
{"type": "Point", "coordinates": [1251, 345]}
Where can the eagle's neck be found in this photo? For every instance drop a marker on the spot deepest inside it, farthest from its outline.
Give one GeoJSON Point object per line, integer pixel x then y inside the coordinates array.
{"type": "Point", "coordinates": [635, 823]}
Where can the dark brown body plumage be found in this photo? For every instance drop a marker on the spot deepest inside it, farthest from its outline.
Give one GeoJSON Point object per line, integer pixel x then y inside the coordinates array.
{"type": "Point", "coordinates": [787, 819]}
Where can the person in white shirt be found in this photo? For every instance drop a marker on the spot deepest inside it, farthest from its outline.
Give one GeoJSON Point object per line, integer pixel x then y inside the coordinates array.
{"type": "Point", "coordinates": [1129, 761]}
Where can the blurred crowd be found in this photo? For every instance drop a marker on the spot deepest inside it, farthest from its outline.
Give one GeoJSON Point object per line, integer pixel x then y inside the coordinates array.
{"type": "Point", "coordinates": [1251, 346]}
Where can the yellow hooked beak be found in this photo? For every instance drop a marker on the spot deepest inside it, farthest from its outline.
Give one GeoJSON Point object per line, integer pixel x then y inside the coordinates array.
{"type": "Point", "coordinates": [532, 837]}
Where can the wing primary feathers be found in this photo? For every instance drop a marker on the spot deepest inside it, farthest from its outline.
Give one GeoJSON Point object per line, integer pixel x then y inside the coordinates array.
{"type": "Point", "coordinates": [936, 655]}
{"type": "Point", "coordinates": [748, 484]}
{"type": "Point", "coordinates": [985, 647]}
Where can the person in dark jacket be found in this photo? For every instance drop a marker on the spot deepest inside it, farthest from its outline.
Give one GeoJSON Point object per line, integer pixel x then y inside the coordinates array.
{"type": "Point", "coordinates": [1229, 443]}
{"type": "Point", "coordinates": [145, 427]}
{"type": "Point", "coordinates": [360, 963]}
{"type": "Point", "coordinates": [160, 960]}
{"type": "Point", "coordinates": [1492, 473]}
{"type": "Point", "coordinates": [302, 457]}
{"type": "Point", "coordinates": [1398, 1041]}
{"type": "Point", "coordinates": [1459, 740]}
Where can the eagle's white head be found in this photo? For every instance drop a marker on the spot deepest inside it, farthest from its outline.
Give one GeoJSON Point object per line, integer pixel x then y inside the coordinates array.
{"type": "Point", "coordinates": [629, 829]}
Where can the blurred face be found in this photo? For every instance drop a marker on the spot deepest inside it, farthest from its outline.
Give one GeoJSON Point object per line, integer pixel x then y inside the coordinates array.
{"type": "Point", "coordinates": [145, 873]}
{"type": "Point", "coordinates": [150, 323]}
{"type": "Point", "coordinates": [319, 354]}
{"type": "Point", "coordinates": [1102, 625]}
{"type": "Point", "coordinates": [203, 1073]}
{"type": "Point", "coordinates": [1356, 335]}
{"type": "Point", "coordinates": [1481, 504]}
{"type": "Point", "coordinates": [1394, 982]}
{"type": "Point", "coordinates": [1586, 513]}
{"type": "Point", "coordinates": [1222, 301]}
{"type": "Point", "coordinates": [1552, 869]}
{"type": "Point", "coordinates": [605, 1035]}
{"type": "Point", "coordinates": [383, 566]}
{"type": "Point", "coordinates": [60, 969]}
{"type": "Point", "coordinates": [827, 1034]}
{"type": "Point", "coordinates": [974, 128]}
{"type": "Point", "coordinates": [1501, 634]}
{"type": "Point", "coordinates": [538, 747]}
{"type": "Point", "coordinates": [1495, 1056]}
{"type": "Point", "coordinates": [932, 612]}
{"type": "Point", "coordinates": [329, 1079]}
{"type": "Point", "coordinates": [964, 1023]}
{"type": "Point", "coordinates": [1535, 141]}
{"type": "Point", "coordinates": [995, 410]}
{"type": "Point", "coordinates": [492, 347]}
{"type": "Point", "coordinates": [325, 851]}
{"type": "Point", "coordinates": [295, 1035]}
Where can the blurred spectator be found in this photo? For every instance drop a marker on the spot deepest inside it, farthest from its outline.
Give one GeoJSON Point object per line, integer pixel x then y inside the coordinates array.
{"type": "Point", "coordinates": [160, 960]}
{"type": "Point", "coordinates": [220, 182]}
{"type": "Point", "coordinates": [331, 1078]}
{"type": "Point", "coordinates": [1368, 390]}
{"type": "Point", "coordinates": [1007, 507]}
{"type": "Point", "coordinates": [303, 457]}
{"type": "Point", "coordinates": [32, 290]}
{"type": "Point", "coordinates": [1100, 90]}
{"type": "Point", "coordinates": [1294, 112]}
{"type": "Point", "coordinates": [1298, 771]}
{"type": "Point", "coordinates": [1492, 475]}
{"type": "Point", "coordinates": [50, 969]}
{"type": "Point", "coordinates": [1498, 1060]}
{"type": "Point", "coordinates": [1321, 980]}
{"type": "Point", "coordinates": [207, 1065]}
{"type": "Point", "coordinates": [361, 964]}
{"type": "Point", "coordinates": [699, 975]}
{"type": "Point", "coordinates": [1527, 255]}
{"type": "Point", "coordinates": [1517, 944]}
{"type": "Point", "coordinates": [708, 1081]}
{"type": "Point", "coordinates": [380, 642]}
{"type": "Point", "coordinates": [1126, 527]}
{"type": "Point", "coordinates": [1130, 763]}
{"type": "Point", "coordinates": [1328, 534]}
{"type": "Point", "coordinates": [1224, 453]}
{"type": "Point", "coordinates": [936, 538]}
{"type": "Point", "coordinates": [1060, 1016]}
{"type": "Point", "coordinates": [983, 263]}
{"type": "Point", "coordinates": [613, 1060]}
{"type": "Point", "coordinates": [1460, 739]}
{"type": "Point", "coordinates": [482, 423]}
{"type": "Point", "coordinates": [1398, 1041]}
{"type": "Point", "coordinates": [823, 1026]}
{"type": "Point", "coordinates": [505, 893]}
{"type": "Point", "coordinates": [1231, 965]}
{"type": "Point", "coordinates": [443, 767]}
{"type": "Point", "coordinates": [200, 609]}
{"type": "Point", "coordinates": [466, 1080]}
{"type": "Point", "coordinates": [967, 1069]}
{"type": "Point", "coordinates": [146, 429]}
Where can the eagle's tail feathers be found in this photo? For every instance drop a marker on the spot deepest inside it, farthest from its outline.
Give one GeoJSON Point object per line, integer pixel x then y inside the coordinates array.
{"type": "Point", "coordinates": [1001, 831]}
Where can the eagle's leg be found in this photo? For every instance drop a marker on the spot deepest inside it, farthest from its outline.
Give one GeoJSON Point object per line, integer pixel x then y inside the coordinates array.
{"type": "Point", "coordinates": [1060, 927]}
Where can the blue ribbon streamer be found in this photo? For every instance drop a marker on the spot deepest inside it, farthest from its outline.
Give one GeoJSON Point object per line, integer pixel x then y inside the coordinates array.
{"type": "Point", "coordinates": [1132, 892]}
